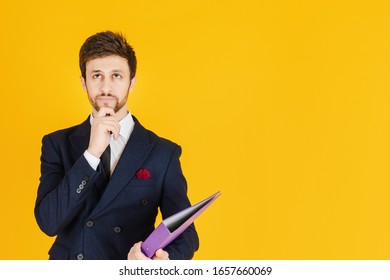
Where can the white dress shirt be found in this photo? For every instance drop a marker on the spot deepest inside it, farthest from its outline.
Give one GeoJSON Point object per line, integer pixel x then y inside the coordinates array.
{"type": "Point", "coordinates": [117, 146]}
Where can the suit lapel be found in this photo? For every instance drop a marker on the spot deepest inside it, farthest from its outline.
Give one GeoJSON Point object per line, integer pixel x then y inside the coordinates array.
{"type": "Point", "coordinates": [134, 155]}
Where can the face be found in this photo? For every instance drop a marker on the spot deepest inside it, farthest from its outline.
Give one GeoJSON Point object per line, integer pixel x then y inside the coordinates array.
{"type": "Point", "coordinates": [108, 83]}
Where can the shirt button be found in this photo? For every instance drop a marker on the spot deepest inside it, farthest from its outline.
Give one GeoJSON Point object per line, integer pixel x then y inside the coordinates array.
{"type": "Point", "coordinates": [117, 229]}
{"type": "Point", "coordinates": [80, 256]}
{"type": "Point", "coordinates": [89, 224]}
{"type": "Point", "coordinates": [144, 202]}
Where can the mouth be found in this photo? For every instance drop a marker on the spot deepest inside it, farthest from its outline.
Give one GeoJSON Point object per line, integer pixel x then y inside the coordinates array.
{"type": "Point", "coordinates": [106, 98]}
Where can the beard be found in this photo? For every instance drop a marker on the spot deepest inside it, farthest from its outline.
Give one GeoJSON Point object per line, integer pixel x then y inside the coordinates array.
{"type": "Point", "coordinates": [116, 105]}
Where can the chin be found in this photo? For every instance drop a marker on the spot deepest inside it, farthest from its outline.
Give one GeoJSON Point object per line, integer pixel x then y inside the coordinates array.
{"type": "Point", "coordinates": [107, 105]}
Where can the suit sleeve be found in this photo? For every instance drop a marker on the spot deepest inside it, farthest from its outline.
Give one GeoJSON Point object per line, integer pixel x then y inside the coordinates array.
{"type": "Point", "coordinates": [175, 199]}
{"type": "Point", "coordinates": [61, 192]}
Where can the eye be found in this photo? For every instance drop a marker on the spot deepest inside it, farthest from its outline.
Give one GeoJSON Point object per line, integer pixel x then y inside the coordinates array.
{"type": "Point", "coordinates": [97, 76]}
{"type": "Point", "coordinates": [117, 76]}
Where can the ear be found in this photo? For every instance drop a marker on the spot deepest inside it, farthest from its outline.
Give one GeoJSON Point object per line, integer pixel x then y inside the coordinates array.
{"type": "Point", "coordinates": [83, 84]}
{"type": "Point", "coordinates": [132, 84]}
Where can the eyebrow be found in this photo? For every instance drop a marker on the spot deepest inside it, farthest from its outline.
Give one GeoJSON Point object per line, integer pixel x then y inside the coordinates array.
{"type": "Point", "coordinates": [112, 71]}
{"type": "Point", "coordinates": [96, 71]}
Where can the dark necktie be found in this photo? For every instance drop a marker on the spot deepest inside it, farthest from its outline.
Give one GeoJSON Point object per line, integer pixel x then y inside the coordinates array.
{"type": "Point", "coordinates": [105, 158]}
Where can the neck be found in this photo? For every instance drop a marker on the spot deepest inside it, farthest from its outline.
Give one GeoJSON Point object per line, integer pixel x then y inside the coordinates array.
{"type": "Point", "coordinates": [121, 113]}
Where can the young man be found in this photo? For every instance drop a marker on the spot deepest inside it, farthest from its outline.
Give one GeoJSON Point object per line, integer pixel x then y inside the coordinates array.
{"type": "Point", "coordinates": [103, 180]}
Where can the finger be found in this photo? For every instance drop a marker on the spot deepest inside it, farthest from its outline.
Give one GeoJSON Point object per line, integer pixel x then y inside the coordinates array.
{"type": "Point", "coordinates": [161, 255]}
{"type": "Point", "coordinates": [104, 111]}
{"type": "Point", "coordinates": [114, 128]}
{"type": "Point", "coordinates": [105, 125]}
{"type": "Point", "coordinates": [108, 124]}
{"type": "Point", "coordinates": [135, 253]}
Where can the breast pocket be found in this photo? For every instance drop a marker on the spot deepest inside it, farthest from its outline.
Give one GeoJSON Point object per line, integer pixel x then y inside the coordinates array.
{"type": "Point", "coordinates": [143, 193]}
{"type": "Point", "coordinates": [137, 183]}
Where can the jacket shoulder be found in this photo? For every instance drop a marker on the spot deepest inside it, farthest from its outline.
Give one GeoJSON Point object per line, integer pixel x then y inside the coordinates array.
{"type": "Point", "coordinates": [65, 132]}
{"type": "Point", "coordinates": [154, 138]}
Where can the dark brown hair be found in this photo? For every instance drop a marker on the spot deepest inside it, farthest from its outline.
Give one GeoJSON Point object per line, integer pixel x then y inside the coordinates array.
{"type": "Point", "coordinates": [104, 44]}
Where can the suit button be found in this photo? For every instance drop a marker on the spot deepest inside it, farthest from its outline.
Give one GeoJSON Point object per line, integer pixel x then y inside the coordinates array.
{"type": "Point", "coordinates": [117, 229]}
{"type": "Point", "coordinates": [78, 190]}
{"type": "Point", "coordinates": [144, 202]}
{"type": "Point", "coordinates": [80, 256]}
{"type": "Point", "coordinates": [89, 224]}
{"type": "Point", "coordinates": [81, 187]}
{"type": "Point", "coordinates": [83, 182]}
{"type": "Point", "coordinates": [86, 178]}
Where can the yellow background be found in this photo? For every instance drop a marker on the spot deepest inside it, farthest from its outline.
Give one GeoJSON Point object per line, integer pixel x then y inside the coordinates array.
{"type": "Point", "coordinates": [281, 105]}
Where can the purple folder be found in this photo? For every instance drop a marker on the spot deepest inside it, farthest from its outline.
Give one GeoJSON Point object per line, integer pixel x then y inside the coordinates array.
{"type": "Point", "coordinates": [173, 226]}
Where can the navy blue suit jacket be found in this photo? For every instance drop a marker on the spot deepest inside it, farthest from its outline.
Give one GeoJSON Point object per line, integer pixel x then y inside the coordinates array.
{"type": "Point", "coordinates": [88, 228]}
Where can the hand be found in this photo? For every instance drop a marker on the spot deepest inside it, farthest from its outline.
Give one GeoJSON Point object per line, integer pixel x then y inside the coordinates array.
{"type": "Point", "coordinates": [135, 253]}
{"type": "Point", "coordinates": [160, 255]}
{"type": "Point", "coordinates": [103, 125]}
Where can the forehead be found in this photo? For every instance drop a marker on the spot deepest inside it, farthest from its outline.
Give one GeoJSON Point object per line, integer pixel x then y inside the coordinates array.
{"type": "Point", "coordinates": [107, 64]}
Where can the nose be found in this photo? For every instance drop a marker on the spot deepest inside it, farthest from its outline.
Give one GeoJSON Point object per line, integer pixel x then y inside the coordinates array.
{"type": "Point", "coordinates": [106, 87]}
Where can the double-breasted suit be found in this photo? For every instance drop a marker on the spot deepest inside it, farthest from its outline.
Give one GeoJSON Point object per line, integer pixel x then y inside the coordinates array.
{"type": "Point", "coordinates": [106, 228]}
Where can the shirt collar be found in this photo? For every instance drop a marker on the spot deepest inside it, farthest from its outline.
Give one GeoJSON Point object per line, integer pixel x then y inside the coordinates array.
{"type": "Point", "coordinates": [127, 125]}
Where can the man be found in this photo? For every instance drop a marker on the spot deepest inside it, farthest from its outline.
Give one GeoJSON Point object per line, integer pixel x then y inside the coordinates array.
{"type": "Point", "coordinates": [103, 180]}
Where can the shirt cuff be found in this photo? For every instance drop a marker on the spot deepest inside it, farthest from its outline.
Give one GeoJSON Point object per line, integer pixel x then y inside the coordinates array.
{"type": "Point", "coordinates": [92, 160]}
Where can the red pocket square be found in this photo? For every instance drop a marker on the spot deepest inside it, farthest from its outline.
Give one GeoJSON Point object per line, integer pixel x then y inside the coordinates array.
{"type": "Point", "coordinates": [142, 174]}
